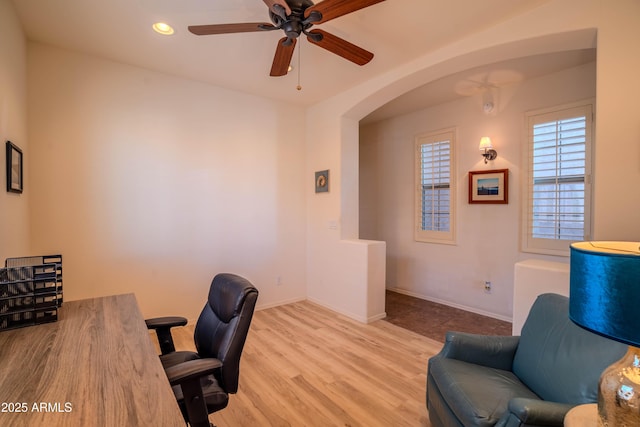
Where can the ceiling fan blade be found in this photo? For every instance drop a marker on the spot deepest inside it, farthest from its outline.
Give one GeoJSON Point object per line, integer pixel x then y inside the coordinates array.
{"type": "Point", "coordinates": [282, 58]}
{"type": "Point", "coordinates": [340, 47]}
{"type": "Point", "coordinates": [205, 30]}
{"type": "Point", "coordinates": [282, 3]}
{"type": "Point", "coordinates": [331, 9]}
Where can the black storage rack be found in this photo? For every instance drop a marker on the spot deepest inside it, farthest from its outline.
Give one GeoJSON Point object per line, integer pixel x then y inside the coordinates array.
{"type": "Point", "coordinates": [28, 295]}
{"type": "Point", "coordinates": [30, 261]}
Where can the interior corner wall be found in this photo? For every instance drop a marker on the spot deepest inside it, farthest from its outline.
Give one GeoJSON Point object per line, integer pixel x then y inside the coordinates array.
{"type": "Point", "coordinates": [551, 27]}
{"type": "Point", "coordinates": [488, 236]}
{"type": "Point", "coordinates": [617, 152]}
{"type": "Point", "coordinates": [14, 207]}
{"type": "Point", "coordinates": [151, 184]}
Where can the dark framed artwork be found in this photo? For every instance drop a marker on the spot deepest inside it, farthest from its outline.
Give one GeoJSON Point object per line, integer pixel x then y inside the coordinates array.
{"type": "Point", "coordinates": [490, 186]}
{"type": "Point", "coordinates": [322, 181]}
{"type": "Point", "coordinates": [14, 168]}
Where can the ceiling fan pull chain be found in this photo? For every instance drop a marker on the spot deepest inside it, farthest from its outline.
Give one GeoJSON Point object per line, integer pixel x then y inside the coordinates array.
{"type": "Point", "coordinates": [299, 54]}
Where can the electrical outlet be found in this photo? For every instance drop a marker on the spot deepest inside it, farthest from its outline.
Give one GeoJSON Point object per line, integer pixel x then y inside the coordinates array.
{"type": "Point", "coordinates": [278, 281]}
{"type": "Point", "coordinates": [487, 286]}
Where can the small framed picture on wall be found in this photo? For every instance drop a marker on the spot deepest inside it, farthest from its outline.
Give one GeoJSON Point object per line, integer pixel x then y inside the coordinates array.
{"type": "Point", "coordinates": [14, 168]}
{"type": "Point", "coordinates": [322, 181]}
{"type": "Point", "coordinates": [490, 186]}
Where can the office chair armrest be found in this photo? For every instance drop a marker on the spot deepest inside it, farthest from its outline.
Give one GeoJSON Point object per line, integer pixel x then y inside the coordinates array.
{"type": "Point", "coordinates": [163, 322]}
{"type": "Point", "coordinates": [187, 375]}
{"type": "Point", "coordinates": [162, 326]}
{"type": "Point", "coordinates": [192, 369]}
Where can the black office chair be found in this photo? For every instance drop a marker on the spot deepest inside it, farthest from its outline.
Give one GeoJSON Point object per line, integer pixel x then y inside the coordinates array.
{"type": "Point", "coordinates": [203, 380]}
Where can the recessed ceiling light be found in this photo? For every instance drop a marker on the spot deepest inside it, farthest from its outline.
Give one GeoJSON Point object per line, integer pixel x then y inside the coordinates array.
{"type": "Point", "coordinates": [162, 28]}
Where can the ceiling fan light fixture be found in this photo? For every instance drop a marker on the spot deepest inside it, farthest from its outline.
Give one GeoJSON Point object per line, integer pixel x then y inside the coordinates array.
{"type": "Point", "coordinates": [163, 28]}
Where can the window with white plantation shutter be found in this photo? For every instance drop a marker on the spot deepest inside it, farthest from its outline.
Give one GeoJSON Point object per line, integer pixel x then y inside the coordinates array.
{"type": "Point", "coordinates": [558, 209]}
{"type": "Point", "coordinates": [435, 187]}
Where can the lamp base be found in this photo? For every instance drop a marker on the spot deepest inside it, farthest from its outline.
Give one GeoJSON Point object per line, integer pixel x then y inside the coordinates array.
{"type": "Point", "coordinates": [619, 392]}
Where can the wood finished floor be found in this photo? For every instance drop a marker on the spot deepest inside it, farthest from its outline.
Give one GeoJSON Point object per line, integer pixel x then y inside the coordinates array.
{"type": "Point", "coordinates": [304, 365]}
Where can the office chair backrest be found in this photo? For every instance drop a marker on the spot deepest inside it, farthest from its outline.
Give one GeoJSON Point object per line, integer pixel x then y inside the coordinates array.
{"type": "Point", "coordinates": [223, 325]}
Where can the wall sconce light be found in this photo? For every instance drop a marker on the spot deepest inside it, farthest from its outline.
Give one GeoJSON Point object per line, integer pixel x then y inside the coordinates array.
{"type": "Point", "coordinates": [487, 149]}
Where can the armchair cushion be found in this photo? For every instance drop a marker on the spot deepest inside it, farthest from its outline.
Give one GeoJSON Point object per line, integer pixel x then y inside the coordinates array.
{"type": "Point", "coordinates": [478, 395]}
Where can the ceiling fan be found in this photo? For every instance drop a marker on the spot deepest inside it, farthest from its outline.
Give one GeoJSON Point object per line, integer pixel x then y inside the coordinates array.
{"type": "Point", "coordinates": [296, 17]}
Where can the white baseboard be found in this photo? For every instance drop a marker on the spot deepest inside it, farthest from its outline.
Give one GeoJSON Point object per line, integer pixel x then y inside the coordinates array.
{"type": "Point", "coordinates": [451, 304]}
{"type": "Point", "coordinates": [260, 307]}
{"type": "Point", "coordinates": [279, 303]}
{"type": "Point", "coordinates": [379, 316]}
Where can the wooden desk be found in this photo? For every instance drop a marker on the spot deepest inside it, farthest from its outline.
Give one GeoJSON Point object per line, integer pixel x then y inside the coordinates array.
{"type": "Point", "coordinates": [95, 366]}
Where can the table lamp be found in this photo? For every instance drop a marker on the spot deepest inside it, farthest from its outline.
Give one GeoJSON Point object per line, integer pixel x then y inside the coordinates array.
{"type": "Point", "coordinates": [605, 299]}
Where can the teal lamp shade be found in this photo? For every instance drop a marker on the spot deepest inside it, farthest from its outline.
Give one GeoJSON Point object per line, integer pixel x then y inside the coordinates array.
{"type": "Point", "coordinates": [604, 298]}
{"type": "Point", "coordinates": [605, 289]}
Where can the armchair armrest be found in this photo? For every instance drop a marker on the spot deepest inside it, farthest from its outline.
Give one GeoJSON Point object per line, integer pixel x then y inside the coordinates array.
{"type": "Point", "coordinates": [162, 326]}
{"type": "Point", "coordinates": [539, 412]}
{"type": "Point", "coordinates": [486, 350]}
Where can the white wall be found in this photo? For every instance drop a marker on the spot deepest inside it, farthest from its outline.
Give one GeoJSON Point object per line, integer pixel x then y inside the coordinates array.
{"type": "Point", "coordinates": [488, 236]}
{"type": "Point", "coordinates": [151, 184]}
{"type": "Point", "coordinates": [14, 208]}
{"type": "Point", "coordinates": [100, 140]}
{"type": "Point", "coordinates": [617, 159]}
{"type": "Point", "coordinates": [555, 26]}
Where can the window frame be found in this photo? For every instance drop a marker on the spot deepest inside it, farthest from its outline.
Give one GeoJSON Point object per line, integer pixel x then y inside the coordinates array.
{"type": "Point", "coordinates": [557, 247]}
{"type": "Point", "coordinates": [433, 236]}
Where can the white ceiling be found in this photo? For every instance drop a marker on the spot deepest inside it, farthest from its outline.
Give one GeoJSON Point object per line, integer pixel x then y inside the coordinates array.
{"type": "Point", "coordinates": [396, 31]}
{"type": "Point", "coordinates": [484, 82]}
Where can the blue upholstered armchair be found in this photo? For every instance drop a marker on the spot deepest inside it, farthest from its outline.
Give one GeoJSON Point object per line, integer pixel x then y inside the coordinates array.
{"type": "Point", "coordinates": [531, 380]}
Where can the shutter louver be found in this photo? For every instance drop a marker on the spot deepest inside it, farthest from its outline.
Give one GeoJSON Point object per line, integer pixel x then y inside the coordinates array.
{"type": "Point", "coordinates": [435, 160]}
{"type": "Point", "coordinates": [435, 187]}
{"type": "Point", "coordinates": [557, 185]}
